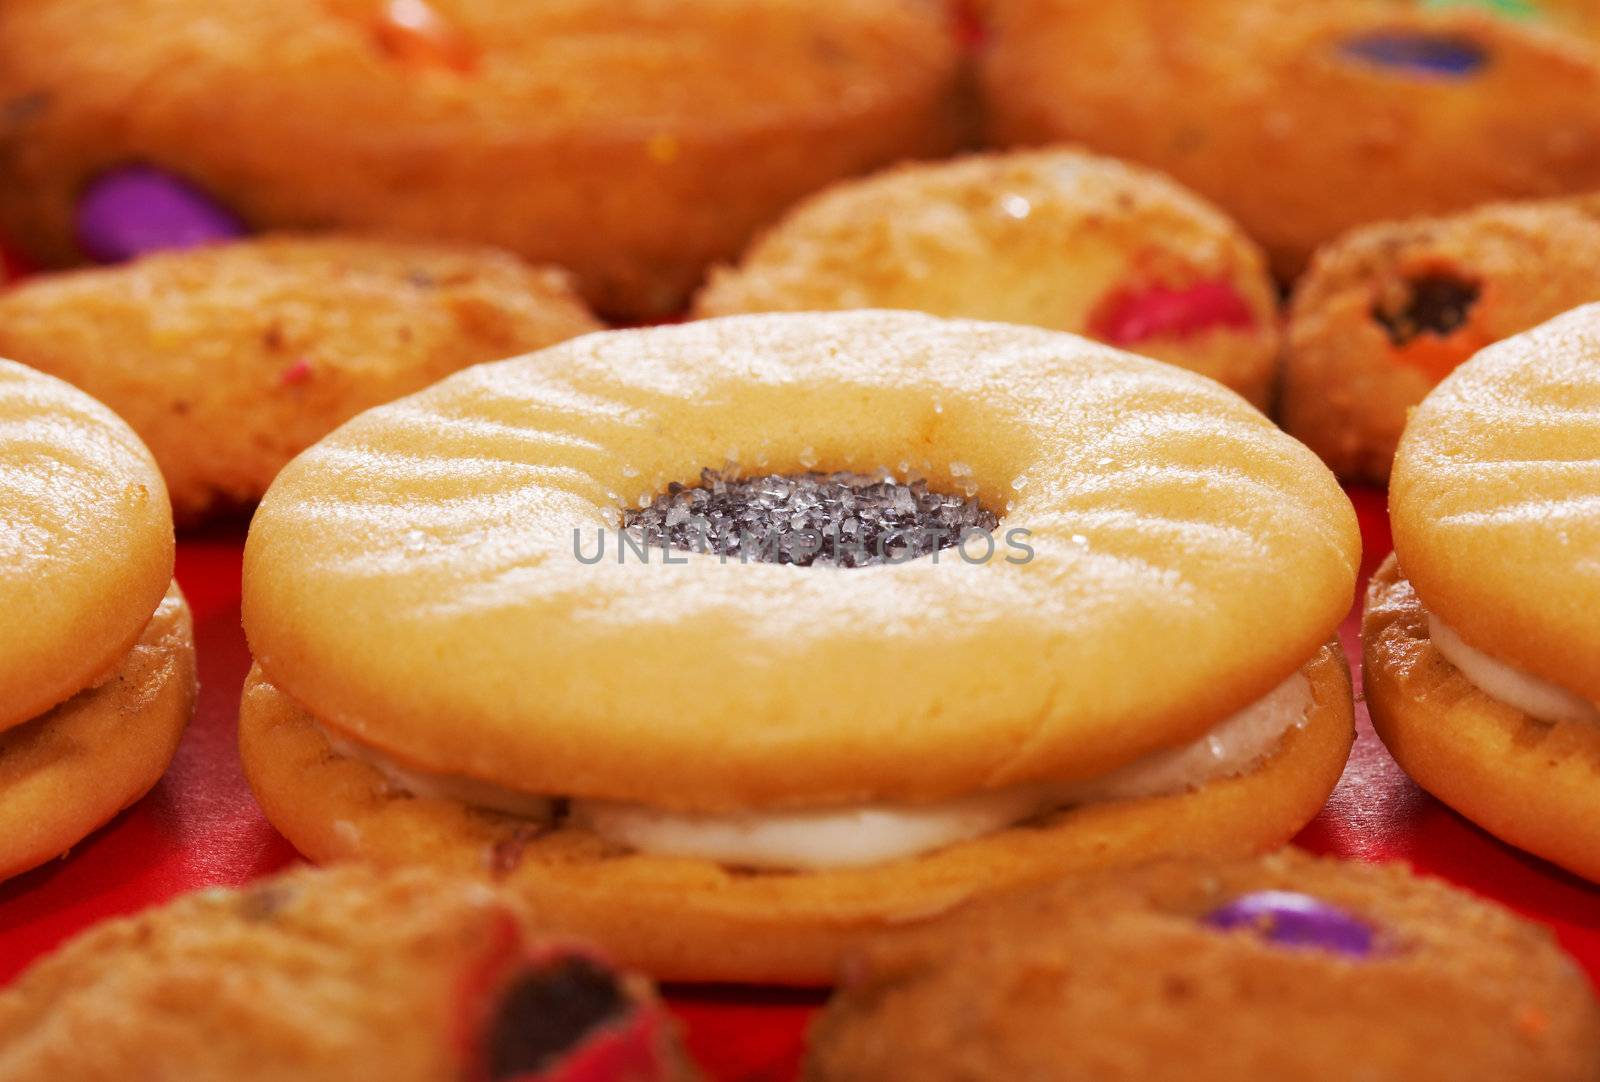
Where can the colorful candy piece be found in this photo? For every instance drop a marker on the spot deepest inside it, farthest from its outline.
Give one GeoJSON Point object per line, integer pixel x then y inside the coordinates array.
{"type": "Point", "coordinates": [1130, 316]}
{"type": "Point", "coordinates": [569, 1017]}
{"type": "Point", "coordinates": [1435, 330]}
{"type": "Point", "coordinates": [1290, 919]}
{"type": "Point", "coordinates": [1417, 53]}
{"type": "Point", "coordinates": [135, 209]}
{"type": "Point", "coordinates": [1510, 9]}
{"type": "Point", "coordinates": [1436, 304]}
{"type": "Point", "coordinates": [414, 32]}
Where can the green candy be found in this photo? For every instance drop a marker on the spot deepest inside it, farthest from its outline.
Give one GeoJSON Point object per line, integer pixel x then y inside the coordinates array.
{"type": "Point", "coordinates": [1511, 9]}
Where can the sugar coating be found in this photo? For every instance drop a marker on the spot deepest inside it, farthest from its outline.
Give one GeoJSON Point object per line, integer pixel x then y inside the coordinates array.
{"type": "Point", "coordinates": [837, 519]}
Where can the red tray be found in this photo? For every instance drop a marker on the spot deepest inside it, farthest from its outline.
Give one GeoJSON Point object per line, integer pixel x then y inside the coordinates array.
{"type": "Point", "coordinates": [200, 827]}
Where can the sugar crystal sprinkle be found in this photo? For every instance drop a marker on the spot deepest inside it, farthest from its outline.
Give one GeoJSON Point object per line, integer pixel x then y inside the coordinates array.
{"type": "Point", "coordinates": [834, 519]}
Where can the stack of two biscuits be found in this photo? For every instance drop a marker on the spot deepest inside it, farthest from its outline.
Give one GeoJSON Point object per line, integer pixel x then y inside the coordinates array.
{"type": "Point", "coordinates": [1482, 647]}
{"type": "Point", "coordinates": [97, 669]}
{"type": "Point", "coordinates": [724, 767]}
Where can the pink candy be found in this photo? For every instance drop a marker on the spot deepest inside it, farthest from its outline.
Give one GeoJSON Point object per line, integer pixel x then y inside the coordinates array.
{"type": "Point", "coordinates": [1130, 316]}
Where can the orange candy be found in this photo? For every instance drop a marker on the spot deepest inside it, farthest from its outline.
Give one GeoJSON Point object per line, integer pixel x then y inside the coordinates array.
{"type": "Point", "coordinates": [413, 32]}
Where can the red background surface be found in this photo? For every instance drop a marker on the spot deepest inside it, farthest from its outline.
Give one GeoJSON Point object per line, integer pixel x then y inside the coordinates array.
{"type": "Point", "coordinates": [200, 827]}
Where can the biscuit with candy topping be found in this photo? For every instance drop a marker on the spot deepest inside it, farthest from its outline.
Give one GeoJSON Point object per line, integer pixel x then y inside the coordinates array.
{"type": "Point", "coordinates": [1301, 120]}
{"type": "Point", "coordinates": [633, 142]}
{"type": "Point", "coordinates": [1288, 967]}
{"type": "Point", "coordinates": [231, 359]}
{"type": "Point", "coordinates": [317, 976]}
{"type": "Point", "coordinates": [1058, 239]}
{"type": "Point", "coordinates": [1387, 312]}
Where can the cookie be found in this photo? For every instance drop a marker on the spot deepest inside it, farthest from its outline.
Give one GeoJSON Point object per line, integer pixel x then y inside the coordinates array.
{"type": "Point", "coordinates": [1058, 239]}
{"type": "Point", "coordinates": [88, 551]}
{"type": "Point", "coordinates": [634, 142]}
{"type": "Point", "coordinates": [345, 974]}
{"type": "Point", "coordinates": [1284, 967]}
{"type": "Point", "coordinates": [1303, 121]}
{"type": "Point", "coordinates": [97, 676]}
{"type": "Point", "coordinates": [69, 771]}
{"type": "Point", "coordinates": [1480, 640]}
{"type": "Point", "coordinates": [230, 360]}
{"type": "Point", "coordinates": [1116, 647]}
{"type": "Point", "coordinates": [1390, 310]}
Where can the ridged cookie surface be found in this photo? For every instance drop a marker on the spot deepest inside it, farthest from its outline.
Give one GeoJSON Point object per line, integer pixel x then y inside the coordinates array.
{"type": "Point", "coordinates": [413, 578]}
{"type": "Point", "coordinates": [1495, 501]}
{"type": "Point", "coordinates": [87, 548]}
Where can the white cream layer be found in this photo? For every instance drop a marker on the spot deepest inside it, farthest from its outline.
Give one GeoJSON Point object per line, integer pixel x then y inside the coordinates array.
{"type": "Point", "coordinates": [1535, 697]}
{"type": "Point", "coordinates": [868, 834]}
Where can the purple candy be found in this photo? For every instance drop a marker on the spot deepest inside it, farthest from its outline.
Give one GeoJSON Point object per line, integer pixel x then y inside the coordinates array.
{"type": "Point", "coordinates": [134, 209]}
{"type": "Point", "coordinates": [1290, 919]}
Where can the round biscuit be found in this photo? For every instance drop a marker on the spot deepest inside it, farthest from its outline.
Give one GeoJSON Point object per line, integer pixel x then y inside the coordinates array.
{"type": "Point", "coordinates": [416, 578]}
{"type": "Point", "coordinates": [87, 549]}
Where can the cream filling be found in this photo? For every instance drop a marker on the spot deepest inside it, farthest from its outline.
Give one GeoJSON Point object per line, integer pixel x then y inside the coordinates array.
{"type": "Point", "coordinates": [817, 839]}
{"type": "Point", "coordinates": [1535, 697]}
{"type": "Point", "coordinates": [867, 834]}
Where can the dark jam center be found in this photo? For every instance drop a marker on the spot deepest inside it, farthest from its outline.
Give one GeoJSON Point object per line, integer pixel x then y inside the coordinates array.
{"type": "Point", "coordinates": [1437, 304]}
{"type": "Point", "coordinates": [548, 1012]}
{"type": "Point", "coordinates": [839, 519]}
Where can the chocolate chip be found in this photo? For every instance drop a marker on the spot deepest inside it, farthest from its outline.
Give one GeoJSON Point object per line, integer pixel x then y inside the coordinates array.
{"type": "Point", "coordinates": [547, 1012]}
{"type": "Point", "coordinates": [840, 519]}
{"type": "Point", "coordinates": [1437, 304]}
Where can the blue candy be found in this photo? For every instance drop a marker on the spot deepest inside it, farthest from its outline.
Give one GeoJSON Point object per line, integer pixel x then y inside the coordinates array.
{"type": "Point", "coordinates": [1418, 53]}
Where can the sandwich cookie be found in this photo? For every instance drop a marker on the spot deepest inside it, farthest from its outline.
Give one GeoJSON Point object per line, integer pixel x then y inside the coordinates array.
{"type": "Point", "coordinates": [1301, 120]}
{"type": "Point", "coordinates": [229, 360]}
{"type": "Point", "coordinates": [973, 603]}
{"type": "Point", "coordinates": [1387, 312]}
{"type": "Point", "coordinates": [1284, 967]}
{"type": "Point", "coordinates": [634, 142]}
{"type": "Point", "coordinates": [1482, 650]}
{"type": "Point", "coordinates": [317, 976]}
{"type": "Point", "coordinates": [1057, 239]}
{"type": "Point", "coordinates": [97, 676]}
